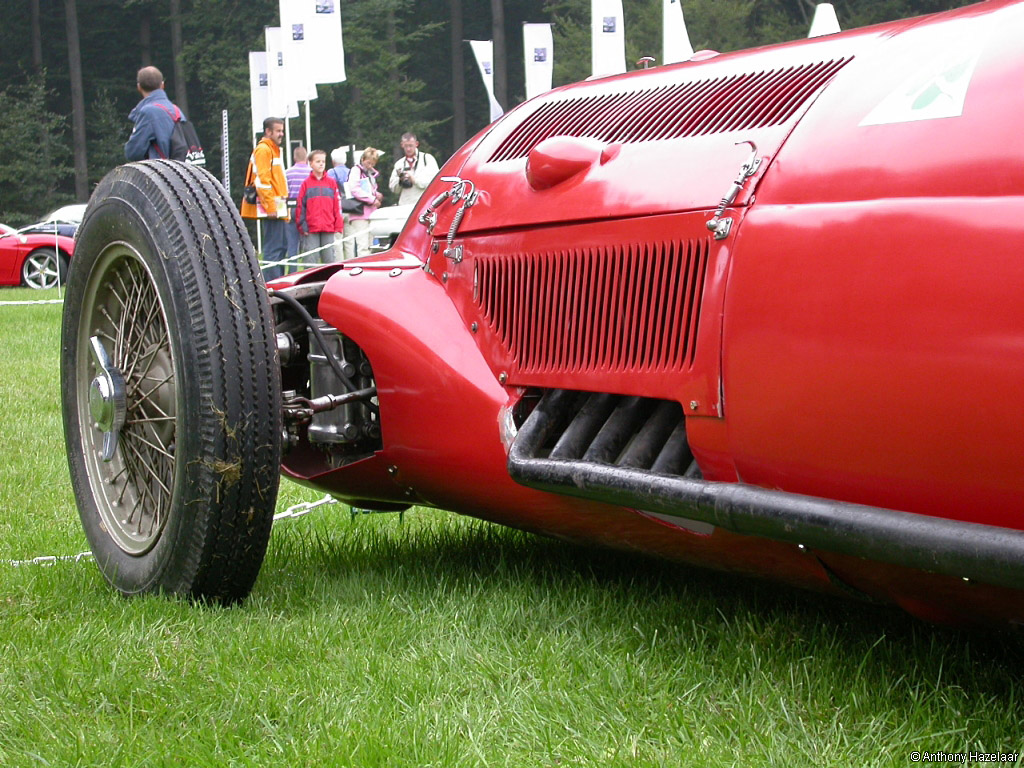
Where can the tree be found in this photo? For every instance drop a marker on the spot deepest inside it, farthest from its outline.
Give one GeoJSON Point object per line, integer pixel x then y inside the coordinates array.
{"type": "Point", "coordinates": [570, 31]}
{"type": "Point", "coordinates": [378, 53]}
{"type": "Point", "coordinates": [105, 132]}
{"type": "Point", "coordinates": [28, 131]}
{"type": "Point", "coordinates": [500, 62]}
{"type": "Point", "coordinates": [37, 40]}
{"type": "Point", "coordinates": [218, 37]}
{"type": "Point", "coordinates": [458, 75]}
{"type": "Point", "coordinates": [180, 92]}
{"type": "Point", "coordinates": [77, 102]}
{"type": "Point", "coordinates": [404, 65]}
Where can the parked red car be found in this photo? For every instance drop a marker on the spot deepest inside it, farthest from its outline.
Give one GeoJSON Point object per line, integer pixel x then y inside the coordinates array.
{"type": "Point", "coordinates": [33, 258]}
{"type": "Point", "coordinates": [759, 311]}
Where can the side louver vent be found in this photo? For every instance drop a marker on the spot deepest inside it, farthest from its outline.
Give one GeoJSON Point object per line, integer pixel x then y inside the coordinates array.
{"type": "Point", "coordinates": [616, 308]}
{"type": "Point", "coordinates": [615, 431]}
{"type": "Point", "coordinates": [697, 108]}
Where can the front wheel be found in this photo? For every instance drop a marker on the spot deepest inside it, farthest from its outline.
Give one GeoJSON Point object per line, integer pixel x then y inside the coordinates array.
{"type": "Point", "coordinates": [170, 380]}
{"type": "Point", "coordinates": [44, 268]}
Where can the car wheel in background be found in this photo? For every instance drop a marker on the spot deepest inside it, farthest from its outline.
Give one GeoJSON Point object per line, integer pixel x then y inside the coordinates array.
{"type": "Point", "coordinates": [172, 402]}
{"type": "Point", "coordinates": [40, 268]}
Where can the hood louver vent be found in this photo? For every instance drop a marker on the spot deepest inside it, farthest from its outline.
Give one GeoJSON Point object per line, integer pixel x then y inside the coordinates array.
{"type": "Point", "coordinates": [615, 308]}
{"type": "Point", "coordinates": [697, 108]}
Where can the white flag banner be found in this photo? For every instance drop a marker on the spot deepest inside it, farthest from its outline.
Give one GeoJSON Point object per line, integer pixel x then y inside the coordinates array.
{"type": "Point", "coordinates": [483, 50]}
{"type": "Point", "coordinates": [326, 54]}
{"type": "Point", "coordinates": [259, 90]}
{"type": "Point", "coordinates": [675, 42]}
{"type": "Point", "coordinates": [538, 57]}
{"type": "Point", "coordinates": [281, 103]}
{"type": "Point", "coordinates": [608, 40]}
{"type": "Point", "coordinates": [824, 21]}
{"type": "Point", "coordinates": [295, 31]}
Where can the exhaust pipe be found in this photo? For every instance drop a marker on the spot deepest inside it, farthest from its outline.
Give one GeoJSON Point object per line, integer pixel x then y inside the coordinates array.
{"type": "Point", "coordinates": [985, 553]}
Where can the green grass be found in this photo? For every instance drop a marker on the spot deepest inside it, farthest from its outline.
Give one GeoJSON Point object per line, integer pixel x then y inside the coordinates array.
{"type": "Point", "coordinates": [442, 641]}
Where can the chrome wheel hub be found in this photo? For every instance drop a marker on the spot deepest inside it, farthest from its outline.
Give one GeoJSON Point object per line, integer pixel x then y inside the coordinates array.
{"type": "Point", "coordinates": [107, 402]}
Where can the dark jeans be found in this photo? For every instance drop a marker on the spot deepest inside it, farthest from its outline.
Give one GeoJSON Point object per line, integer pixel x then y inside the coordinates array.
{"type": "Point", "coordinates": [275, 245]}
{"type": "Point", "coordinates": [293, 238]}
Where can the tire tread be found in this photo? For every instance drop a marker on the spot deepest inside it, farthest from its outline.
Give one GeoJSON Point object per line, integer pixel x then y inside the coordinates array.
{"type": "Point", "coordinates": [213, 272]}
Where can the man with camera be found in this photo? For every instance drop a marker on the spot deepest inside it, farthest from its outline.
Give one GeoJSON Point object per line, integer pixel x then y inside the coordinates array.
{"type": "Point", "coordinates": [413, 171]}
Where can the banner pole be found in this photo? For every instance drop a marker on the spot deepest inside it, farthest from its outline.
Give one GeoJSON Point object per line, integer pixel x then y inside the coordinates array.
{"type": "Point", "coordinates": [309, 143]}
{"type": "Point", "coordinates": [56, 252]}
{"type": "Point", "coordinates": [259, 225]}
{"type": "Point", "coordinates": [224, 147]}
{"type": "Point", "coordinates": [286, 155]}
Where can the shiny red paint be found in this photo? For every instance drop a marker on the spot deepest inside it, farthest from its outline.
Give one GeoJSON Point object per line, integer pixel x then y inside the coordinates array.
{"type": "Point", "coordinates": [890, 374]}
{"type": "Point", "coordinates": [445, 435]}
{"type": "Point", "coordinates": [860, 327]}
{"type": "Point", "coordinates": [15, 248]}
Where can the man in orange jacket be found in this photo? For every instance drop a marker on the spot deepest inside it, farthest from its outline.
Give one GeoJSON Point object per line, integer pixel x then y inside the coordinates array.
{"type": "Point", "coordinates": [270, 205]}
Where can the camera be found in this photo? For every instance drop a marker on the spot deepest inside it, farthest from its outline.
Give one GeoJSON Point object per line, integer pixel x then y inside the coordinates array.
{"type": "Point", "coordinates": [404, 179]}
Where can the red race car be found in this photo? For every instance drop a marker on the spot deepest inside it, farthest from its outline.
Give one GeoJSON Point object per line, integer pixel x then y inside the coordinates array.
{"type": "Point", "coordinates": [33, 258]}
{"type": "Point", "coordinates": [758, 311]}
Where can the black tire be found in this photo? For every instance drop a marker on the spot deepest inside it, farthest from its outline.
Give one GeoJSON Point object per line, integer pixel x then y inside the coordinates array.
{"type": "Point", "coordinates": [166, 277]}
{"type": "Point", "coordinates": [44, 268]}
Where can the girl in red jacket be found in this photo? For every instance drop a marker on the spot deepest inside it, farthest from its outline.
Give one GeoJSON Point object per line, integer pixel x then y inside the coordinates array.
{"type": "Point", "coordinates": [318, 213]}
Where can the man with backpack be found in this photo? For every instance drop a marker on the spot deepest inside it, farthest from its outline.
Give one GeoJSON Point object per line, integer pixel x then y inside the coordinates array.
{"type": "Point", "coordinates": [161, 129]}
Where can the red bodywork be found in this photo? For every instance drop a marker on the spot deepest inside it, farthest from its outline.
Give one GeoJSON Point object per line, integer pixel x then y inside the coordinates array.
{"type": "Point", "coordinates": [15, 248]}
{"type": "Point", "coordinates": [856, 336]}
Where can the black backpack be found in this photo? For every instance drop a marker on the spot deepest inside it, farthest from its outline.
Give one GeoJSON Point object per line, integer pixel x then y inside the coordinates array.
{"type": "Point", "coordinates": [185, 144]}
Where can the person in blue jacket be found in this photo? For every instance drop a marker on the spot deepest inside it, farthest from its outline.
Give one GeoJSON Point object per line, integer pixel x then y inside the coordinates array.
{"type": "Point", "coordinates": [153, 118]}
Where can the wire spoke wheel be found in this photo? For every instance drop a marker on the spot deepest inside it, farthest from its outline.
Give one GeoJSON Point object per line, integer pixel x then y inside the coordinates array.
{"type": "Point", "coordinates": [171, 385]}
{"type": "Point", "coordinates": [133, 488]}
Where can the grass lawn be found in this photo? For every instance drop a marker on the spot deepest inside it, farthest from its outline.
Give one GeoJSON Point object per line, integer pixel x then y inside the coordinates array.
{"type": "Point", "coordinates": [442, 641]}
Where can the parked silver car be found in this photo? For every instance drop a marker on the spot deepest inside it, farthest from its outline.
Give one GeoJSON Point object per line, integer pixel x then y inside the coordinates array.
{"type": "Point", "coordinates": [386, 223]}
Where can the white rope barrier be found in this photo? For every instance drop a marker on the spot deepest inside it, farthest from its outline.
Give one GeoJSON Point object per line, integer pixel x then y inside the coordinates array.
{"type": "Point", "coordinates": [24, 303]}
{"type": "Point", "coordinates": [296, 510]}
{"type": "Point", "coordinates": [294, 260]}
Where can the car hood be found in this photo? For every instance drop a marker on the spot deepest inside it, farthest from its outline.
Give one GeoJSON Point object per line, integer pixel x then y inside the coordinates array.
{"type": "Point", "coordinates": [649, 142]}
